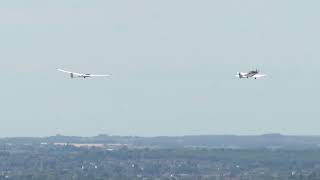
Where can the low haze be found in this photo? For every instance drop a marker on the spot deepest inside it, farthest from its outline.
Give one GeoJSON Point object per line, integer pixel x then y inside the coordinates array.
{"type": "Point", "coordinates": [173, 66]}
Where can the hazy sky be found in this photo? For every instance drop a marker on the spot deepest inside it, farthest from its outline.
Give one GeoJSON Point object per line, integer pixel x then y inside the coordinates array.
{"type": "Point", "coordinates": [173, 64]}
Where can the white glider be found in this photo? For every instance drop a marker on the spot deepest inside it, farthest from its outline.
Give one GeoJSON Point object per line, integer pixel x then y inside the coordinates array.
{"type": "Point", "coordinates": [75, 75]}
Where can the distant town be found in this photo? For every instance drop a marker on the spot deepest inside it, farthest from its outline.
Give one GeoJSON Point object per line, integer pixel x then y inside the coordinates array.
{"type": "Point", "coordinates": [263, 157]}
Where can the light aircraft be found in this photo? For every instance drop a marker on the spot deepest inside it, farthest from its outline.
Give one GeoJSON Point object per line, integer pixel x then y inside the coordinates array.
{"type": "Point", "coordinates": [80, 75]}
{"type": "Point", "coordinates": [251, 74]}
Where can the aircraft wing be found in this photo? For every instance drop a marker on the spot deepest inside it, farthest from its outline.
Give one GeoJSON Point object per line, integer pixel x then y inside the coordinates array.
{"type": "Point", "coordinates": [96, 75]}
{"type": "Point", "coordinates": [258, 76]}
{"type": "Point", "coordinates": [69, 72]}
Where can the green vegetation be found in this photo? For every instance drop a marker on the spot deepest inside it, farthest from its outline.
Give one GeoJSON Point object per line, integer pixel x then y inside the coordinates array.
{"type": "Point", "coordinates": [51, 162]}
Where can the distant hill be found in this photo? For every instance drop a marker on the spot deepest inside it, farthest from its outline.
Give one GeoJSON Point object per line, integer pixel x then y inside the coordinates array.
{"type": "Point", "coordinates": [208, 141]}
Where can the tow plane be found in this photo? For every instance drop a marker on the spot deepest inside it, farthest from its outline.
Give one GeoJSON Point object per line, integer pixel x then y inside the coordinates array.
{"type": "Point", "coordinates": [251, 74]}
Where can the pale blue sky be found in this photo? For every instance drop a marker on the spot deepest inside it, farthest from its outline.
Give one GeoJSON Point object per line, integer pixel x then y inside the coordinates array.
{"type": "Point", "coordinates": [173, 64]}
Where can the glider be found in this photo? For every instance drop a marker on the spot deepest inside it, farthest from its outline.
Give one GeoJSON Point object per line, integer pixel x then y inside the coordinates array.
{"type": "Point", "coordinates": [80, 75]}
